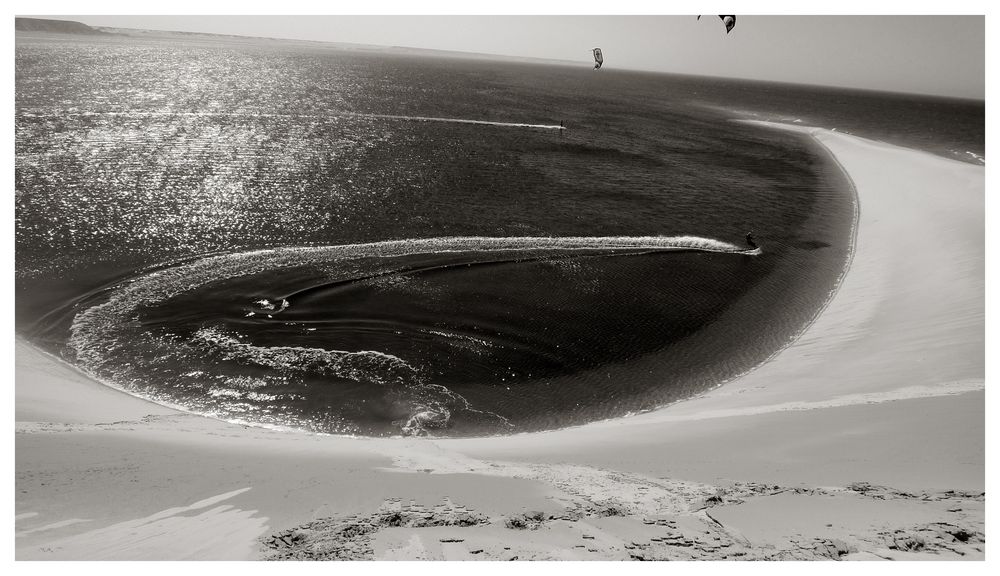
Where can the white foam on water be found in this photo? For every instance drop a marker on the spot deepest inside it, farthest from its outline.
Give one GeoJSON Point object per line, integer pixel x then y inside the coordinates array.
{"type": "Point", "coordinates": [103, 335]}
{"type": "Point", "coordinates": [366, 365]}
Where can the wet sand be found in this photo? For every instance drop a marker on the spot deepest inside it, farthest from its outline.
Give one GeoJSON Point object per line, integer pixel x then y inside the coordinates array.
{"type": "Point", "coordinates": [864, 439]}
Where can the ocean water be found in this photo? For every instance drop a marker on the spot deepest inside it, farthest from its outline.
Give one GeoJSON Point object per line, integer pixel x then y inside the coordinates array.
{"type": "Point", "coordinates": [369, 243]}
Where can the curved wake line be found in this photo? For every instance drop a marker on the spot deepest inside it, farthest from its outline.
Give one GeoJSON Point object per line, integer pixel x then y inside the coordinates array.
{"type": "Point", "coordinates": [103, 335]}
{"type": "Point", "coordinates": [164, 283]}
{"type": "Point", "coordinates": [166, 114]}
{"type": "Point", "coordinates": [92, 324]}
{"type": "Point", "coordinates": [462, 121]}
{"type": "Point", "coordinates": [451, 244]}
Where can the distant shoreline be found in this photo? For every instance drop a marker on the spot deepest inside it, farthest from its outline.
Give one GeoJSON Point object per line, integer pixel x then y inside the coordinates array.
{"type": "Point", "coordinates": [583, 63]}
{"type": "Point", "coordinates": [114, 33]}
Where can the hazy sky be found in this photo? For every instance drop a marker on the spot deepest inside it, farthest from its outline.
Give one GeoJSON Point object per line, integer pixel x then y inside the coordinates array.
{"type": "Point", "coordinates": [942, 55]}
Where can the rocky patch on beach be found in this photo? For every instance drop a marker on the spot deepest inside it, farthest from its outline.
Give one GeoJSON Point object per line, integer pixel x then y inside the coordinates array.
{"type": "Point", "coordinates": [935, 538]}
{"type": "Point", "coordinates": [615, 528]}
{"type": "Point", "coordinates": [884, 493]}
{"type": "Point", "coordinates": [612, 515]}
{"type": "Point", "coordinates": [349, 538]}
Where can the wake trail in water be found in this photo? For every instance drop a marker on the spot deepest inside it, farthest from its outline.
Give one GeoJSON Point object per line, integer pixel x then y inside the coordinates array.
{"type": "Point", "coordinates": [463, 121]}
{"type": "Point", "coordinates": [169, 114]}
{"type": "Point", "coordinates": [528, 248]}
{"type": "Point", "coordinates": [112, 345]}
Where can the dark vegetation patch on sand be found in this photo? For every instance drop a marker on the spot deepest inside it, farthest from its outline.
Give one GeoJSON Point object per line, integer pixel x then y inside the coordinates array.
{"type": "Point", "coordinates": [616, 532]}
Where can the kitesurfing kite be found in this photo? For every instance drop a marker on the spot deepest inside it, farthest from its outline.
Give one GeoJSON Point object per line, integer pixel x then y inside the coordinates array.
{"type": "Point", "coordinates": [729, 21]}
{"type": "Point", "coordinates": [598, 58]}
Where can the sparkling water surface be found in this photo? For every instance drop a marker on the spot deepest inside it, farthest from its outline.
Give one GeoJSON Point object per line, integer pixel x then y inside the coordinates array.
{"type": "Point", "coordinates": [381, 244]}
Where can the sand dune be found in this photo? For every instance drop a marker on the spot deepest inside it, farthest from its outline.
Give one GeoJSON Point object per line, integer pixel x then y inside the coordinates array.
{"type": "Point", "coordinates": [862, 440]}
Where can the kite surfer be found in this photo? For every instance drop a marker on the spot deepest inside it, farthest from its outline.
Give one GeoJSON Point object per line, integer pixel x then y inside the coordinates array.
{"type": "Point", "coordinates": [750, 242]}
{"type": "Point", "coordinates": [729, 21]}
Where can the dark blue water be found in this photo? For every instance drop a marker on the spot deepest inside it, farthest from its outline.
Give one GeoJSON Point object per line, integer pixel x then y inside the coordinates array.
{"type": "Point", "coordinates": [359, 243]}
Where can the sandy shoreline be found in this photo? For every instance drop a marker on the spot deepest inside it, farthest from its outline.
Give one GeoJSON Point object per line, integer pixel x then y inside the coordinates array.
{"type": "Point", "coordinates": [862, 440]}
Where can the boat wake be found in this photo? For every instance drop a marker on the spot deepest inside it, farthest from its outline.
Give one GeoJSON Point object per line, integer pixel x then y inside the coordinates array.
{"type": "Point", "coordinates": [246, 336]}
{"type": "Point", "coordinates": [332, 115]}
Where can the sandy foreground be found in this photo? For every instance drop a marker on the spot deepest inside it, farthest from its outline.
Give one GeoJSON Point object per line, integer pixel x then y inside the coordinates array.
{"type": "Point", "coordinates": [863, 440]}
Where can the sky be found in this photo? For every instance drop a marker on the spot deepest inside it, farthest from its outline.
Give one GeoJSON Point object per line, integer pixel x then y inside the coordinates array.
{"type": "Point", "coordinates": [938, 54]}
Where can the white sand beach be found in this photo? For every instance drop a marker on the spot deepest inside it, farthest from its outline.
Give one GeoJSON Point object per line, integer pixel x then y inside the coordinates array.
{"type": "Point", "coordinates": [864, 439]}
